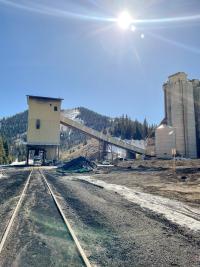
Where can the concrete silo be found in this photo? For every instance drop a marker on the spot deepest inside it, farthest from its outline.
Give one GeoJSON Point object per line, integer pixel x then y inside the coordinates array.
{"type": "Point", "coordinates": [196, 88]}
{"type": "Point", "coordinates": [165, 141]}
{"type": "Point", "coordinates": [180, 113]}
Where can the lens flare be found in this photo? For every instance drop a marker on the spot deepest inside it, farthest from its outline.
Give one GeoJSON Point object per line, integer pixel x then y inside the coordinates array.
{"type": "Point", "coordinates": [133, 28]}
{"type": "Point", "coordinates": [175, 43]}
{"type": "Point", "coordinates": [55, 12]}
{"type": "Point", "coordinates": [124, 20]}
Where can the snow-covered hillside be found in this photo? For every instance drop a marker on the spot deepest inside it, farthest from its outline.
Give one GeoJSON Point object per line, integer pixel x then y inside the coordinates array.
{"type": "Point", "coordinates": [71, 114]}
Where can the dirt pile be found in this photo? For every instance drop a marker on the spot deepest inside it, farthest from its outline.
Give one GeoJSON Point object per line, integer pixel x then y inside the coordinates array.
{"type": "Point", "coordinates": [78, 165]}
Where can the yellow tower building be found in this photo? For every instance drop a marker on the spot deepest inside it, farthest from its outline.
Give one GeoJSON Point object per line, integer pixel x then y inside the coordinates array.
{"type": "Point", "coordinates": [43, 134]}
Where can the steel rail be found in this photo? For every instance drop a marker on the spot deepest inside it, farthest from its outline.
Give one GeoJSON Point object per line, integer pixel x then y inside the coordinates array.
{"type": "Point", "coordinates": [71, 231]}
{"type": "Point", "coordinates": [8, 228]}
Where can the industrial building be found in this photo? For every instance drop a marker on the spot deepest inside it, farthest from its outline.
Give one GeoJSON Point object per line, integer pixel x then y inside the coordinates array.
{"type": "Point", "coordinates": [164, 141]}
{"type": "Point", "coordinates": [43, 135]}
{"type": "Point", "coordinates": [180, 129]}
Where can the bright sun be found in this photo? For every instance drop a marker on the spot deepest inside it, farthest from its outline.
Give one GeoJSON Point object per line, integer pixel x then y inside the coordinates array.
{"type": "Point", "coordinates": [124, 20]}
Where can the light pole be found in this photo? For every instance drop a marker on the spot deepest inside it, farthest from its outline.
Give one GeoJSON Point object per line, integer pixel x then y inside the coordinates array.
{"type": "Point", "coordinates": [174, 150]}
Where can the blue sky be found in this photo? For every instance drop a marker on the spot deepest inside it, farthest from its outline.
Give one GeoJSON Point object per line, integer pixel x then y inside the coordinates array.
{"type": "Point", "coordinates": [76, 50]}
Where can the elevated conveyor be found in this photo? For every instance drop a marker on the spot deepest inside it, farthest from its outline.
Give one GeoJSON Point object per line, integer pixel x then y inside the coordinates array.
{"type": "Point", "coordinates": [100, 136]}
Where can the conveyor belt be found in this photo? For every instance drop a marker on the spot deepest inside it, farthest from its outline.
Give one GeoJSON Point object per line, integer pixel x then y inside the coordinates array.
{"type": "Point", "coordinates": [100, 136]}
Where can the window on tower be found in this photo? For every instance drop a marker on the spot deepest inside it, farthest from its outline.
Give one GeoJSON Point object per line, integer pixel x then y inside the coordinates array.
{"type": "Point", "coordinates": [37, 124]}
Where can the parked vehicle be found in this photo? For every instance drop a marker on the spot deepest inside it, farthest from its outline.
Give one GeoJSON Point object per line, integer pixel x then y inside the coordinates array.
{"type": "Point", "coordinates": [37, 161]}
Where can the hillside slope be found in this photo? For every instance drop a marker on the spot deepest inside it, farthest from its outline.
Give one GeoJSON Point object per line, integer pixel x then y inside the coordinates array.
{"type": "Point", "coordinates": [13, 129]}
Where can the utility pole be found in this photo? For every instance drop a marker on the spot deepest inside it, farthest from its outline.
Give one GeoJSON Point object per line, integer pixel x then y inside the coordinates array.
{"type": "Point", "coordinates": [174, 159]}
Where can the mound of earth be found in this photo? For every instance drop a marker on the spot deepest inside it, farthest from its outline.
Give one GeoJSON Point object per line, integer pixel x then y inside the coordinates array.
{"type": "Point", "coordinates": [79, 164]}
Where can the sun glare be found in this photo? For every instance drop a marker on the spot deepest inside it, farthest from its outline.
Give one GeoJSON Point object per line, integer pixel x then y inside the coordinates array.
{"type": "Point", "coordinates": [124, 20]}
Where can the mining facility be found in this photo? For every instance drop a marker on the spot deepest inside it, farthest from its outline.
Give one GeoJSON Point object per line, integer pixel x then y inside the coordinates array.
{"type": "Point", "coordinates": [84, 213]}
{"type": "Point", "coordinates": [177, 135]}
{"type": "Point", "coordinates": [179, 132]}
{"type": "Point", "coordinates": [43, 135]}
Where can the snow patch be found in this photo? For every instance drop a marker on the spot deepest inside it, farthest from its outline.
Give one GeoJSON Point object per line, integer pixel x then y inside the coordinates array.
{"type": "Point", "coordinates": [122, 152]}
{"type": "Point", "coordinates": [18, 163]}
{"type": "Point", "coordinates": [71, 114]}
{"type": "Point", "coordinates": [175, 211]}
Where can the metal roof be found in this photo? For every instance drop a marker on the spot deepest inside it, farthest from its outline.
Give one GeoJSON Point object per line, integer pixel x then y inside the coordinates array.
{"type": "Point", "coordinates": [44, 98]}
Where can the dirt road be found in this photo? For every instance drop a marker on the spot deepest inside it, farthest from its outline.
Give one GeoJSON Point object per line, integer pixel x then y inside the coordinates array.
{"type": "Point", "coordinates": [116, 232]}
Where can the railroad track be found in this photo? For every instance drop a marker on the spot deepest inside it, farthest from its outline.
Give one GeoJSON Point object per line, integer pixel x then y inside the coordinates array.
{"type": "Point", "coordinates": [73, 235]}
{"type": "Point", "coordinates": [8, 229]}
{"type": "Point", "coordinates": [15, 212]}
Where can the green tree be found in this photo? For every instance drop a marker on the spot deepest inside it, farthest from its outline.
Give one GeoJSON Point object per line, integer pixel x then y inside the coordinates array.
{"type": "Point", "coordinates": [2, 152]}
{"type": "Point", "coordinates": [145, 129]}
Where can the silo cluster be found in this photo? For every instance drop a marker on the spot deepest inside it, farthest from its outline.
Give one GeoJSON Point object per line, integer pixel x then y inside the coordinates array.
{"type": "Point", "coordinates": [182, 110]}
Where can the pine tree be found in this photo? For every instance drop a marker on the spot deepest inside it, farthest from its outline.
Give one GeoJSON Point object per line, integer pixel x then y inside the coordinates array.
{"type": "Point", "coordinates": [2, 152]}
{"type": "Point", "coordinates": [6, 148]}
{"type": "Point", "coordinates": [145, 129]}
{"type": "Point", "coordinates": [7, 152]}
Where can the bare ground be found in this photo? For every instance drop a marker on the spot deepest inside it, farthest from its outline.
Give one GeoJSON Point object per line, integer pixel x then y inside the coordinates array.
{"type": "Point", "coordinates": [11, 185]}
{"type": "Point", "coordinates": [116, 232]}
{"type": "Point", "coordinates": [112, 230]}
{"type": "Point", "coordinates": [158, 177]}
{"type": "Point", "coordinates": [39, 236]}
